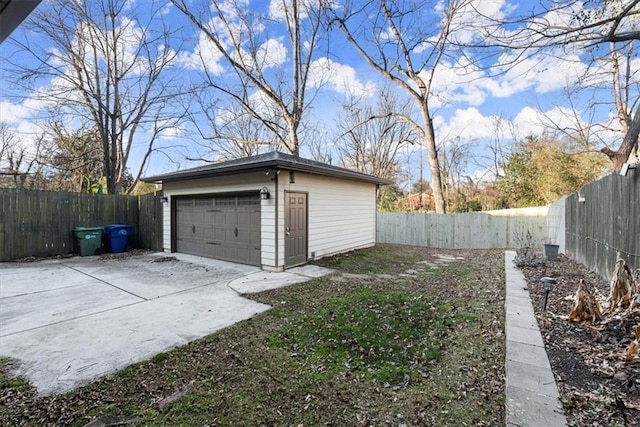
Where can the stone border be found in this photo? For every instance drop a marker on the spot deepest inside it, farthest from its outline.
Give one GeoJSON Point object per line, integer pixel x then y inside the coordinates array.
{"type": "Point", "coordinates": [532, 397]}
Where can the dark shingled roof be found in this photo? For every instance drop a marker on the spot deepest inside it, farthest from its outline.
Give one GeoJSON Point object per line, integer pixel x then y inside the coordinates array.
{"type": "Point", "coordinates": [263, 162]}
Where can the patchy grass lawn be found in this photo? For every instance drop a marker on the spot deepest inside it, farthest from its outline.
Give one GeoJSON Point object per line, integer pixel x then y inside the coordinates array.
{"type": "Point", "coordinates": [399, 336]}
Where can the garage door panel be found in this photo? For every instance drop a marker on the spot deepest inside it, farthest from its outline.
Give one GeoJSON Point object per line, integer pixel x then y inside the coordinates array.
{"type": "Point", "coordinates": [255, 237]}
{"type": "Point", "coordinates": [223, 227]}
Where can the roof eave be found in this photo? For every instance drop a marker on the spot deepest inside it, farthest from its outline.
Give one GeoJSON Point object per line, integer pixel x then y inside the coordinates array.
{"type": "Point", "coordinates": [277, 163]}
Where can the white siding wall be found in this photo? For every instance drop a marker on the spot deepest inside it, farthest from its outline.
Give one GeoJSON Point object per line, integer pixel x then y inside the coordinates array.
{"type": "Point", "coordinates": [342, 213]}
{"type": "Point", "coordinates": [228, 184]}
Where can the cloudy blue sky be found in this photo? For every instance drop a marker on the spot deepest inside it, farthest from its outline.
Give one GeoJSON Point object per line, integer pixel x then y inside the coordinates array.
{"type": "Point", "coordinates": [467, 98]}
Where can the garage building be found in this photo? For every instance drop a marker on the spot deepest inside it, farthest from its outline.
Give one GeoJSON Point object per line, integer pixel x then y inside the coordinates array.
{"type": "Point", "coordinates": [272, 210]}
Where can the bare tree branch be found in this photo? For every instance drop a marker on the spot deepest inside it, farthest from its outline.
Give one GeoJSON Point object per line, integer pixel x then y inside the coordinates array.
{"type": "Point", "coordinates": [109, 64]}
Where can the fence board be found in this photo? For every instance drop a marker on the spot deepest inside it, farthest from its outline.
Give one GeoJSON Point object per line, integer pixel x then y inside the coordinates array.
{"type": "Point", "coordinates": [150, 221]}
{"type": "Point", "coordinates": [607, 224]}
{"type": "Point", "coordinates": [41, 223]}
{"type": "Point", "coordinates": [477, 230]}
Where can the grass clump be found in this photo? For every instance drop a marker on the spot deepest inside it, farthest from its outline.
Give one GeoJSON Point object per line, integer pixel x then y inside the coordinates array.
{"type": "Point", "coordinates": [371, 261]}
{"type": "Point", "coordinates": [385, 336]}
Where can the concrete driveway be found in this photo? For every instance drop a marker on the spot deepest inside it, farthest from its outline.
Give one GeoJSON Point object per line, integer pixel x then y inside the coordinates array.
{"type": "Point", "coordinates": [64, 323]}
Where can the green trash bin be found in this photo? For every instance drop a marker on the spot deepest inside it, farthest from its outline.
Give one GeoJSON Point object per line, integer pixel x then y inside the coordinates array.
{"type": "Point", "coordinates": [89, 240]}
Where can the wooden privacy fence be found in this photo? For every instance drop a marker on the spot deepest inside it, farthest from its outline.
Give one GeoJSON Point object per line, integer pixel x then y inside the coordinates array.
{"type": "Point", "coordinates": [41, 223]}
{"type": "Point", "coordinates": [508, 228]}
{"type": "Point", "coordinates": [606, 223]}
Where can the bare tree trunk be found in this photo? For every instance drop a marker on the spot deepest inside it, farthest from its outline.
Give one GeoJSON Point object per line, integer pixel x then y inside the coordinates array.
{"type": "Point", "coordinates": [629, 144]}
{"type": "Point", "coordinates": [396, 57]}
{"type": "Point", "coordinates": [434, 163]}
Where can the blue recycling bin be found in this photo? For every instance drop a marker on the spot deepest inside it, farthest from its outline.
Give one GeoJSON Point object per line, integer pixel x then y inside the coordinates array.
{"type": "Point", "coordinates": [118, 236]}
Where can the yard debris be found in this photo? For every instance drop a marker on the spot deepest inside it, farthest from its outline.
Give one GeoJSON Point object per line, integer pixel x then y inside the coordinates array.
{"type": "Point", "coordinates": [622, 286]}
{"type": "Point", "coordinates": [595, 366]}
{"type": "Point", "coordinates": [175, 396]}
{"type": "Point", "coordinates": [527, 257]}
{"type": "Point", "coordinates": [635, 301]}
{"type": "Point", "coordinates": [585, 307]}
{"type": "Point", "coordinates": [111, 421]}
{"type": "Point", "coordinates": [165, 259]}
{"type": "Point", "coordinates": [634, 347]}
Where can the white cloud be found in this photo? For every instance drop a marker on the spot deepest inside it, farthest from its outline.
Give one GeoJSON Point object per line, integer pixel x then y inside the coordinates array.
{"type": "Point", "coordinates": [205, 56]}
{"type": "Point", "coordinates": [172, 131]}
{"type": "Point", "coordinates": [272, 53]}
{"type": "Point", "coordinates": [259, 102]}
{"type": "Point", "coordinates": [466, 124]}
{"type": "Point", "coordinates": [530, 121]}
{"type": "Point", "coordinates": [465, 83]}
{"type": "Point", "coordinates": [477, 15]}
{"type": "Point", "coordinates": [13, 113]}
{"type": "Point", "coordinates": [543, 73]}
{"type": "Point", "coordinates": [277, 8]}
{"type": "Point", "coordinates": [462, 82]}
{"type": "Point", "coordinates": [339, 77]}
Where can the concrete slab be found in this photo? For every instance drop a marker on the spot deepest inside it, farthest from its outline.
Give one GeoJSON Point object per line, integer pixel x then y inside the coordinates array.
{"type": "Point", "coordinates": [529, 336]}
{"type": "Point", "coordinates": [528, 409]}
{"type": "Point", "coordinates": [429, 264]}
{"type": "Point", "coordinates": [518, 291]}
{"type": "Point", "coordinates": [448, 258]}
{"type": "Point", "coordinates": [67, 322]}
{"type": "Point", "coordinates": [520, 310]}
{"type": "Point", "coordinates": [313, 271]}
{"type": "Point", "coordinates": [62, 356]}
{"type": "Point", "coordinates": [265, 280]}
{"type": "Point", "coordinates": [22, 313]}
{"type": "Point", "coordinates": [529, 354]}
{"type": "Point", "coordinates": [532, 378]}
{"type": "Point", "coordinates": [526, 322]}
{"type": "Point", "coordinates": [148, 279]}
{"type": "Point", "coordinates": [31, 278]}
{"type": "Point", "coordinates": [517, 301]}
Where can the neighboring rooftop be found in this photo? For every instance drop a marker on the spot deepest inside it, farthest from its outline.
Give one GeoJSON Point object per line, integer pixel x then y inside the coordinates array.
{"type": "Point", "coordinates": [272, 160]}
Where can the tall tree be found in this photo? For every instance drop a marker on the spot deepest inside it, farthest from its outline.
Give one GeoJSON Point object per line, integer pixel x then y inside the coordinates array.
{"type": "Point", "coordinates": [453, 164]}
{"type": "Point", "coordinates": [542, 169]}
{"type": "Point", "coordinates": [570, 26]}
{"type": "Point", "coordinates": [372, 146]}
{"type": "Point", "coordinates": [75, 160]}
{"type": "Point", "coordinates": [12, 158]}
{"type": "Point", "coordinates": [404, 41]}
{"type": "Point", "coordinates": [270, 72]}
{"type": "Point", "coordinates": [107, 63]}
{"type": "Point", "coordinates": [231, 133]}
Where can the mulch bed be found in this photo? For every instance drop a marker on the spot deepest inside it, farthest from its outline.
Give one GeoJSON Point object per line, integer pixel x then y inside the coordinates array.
{"type": "Point", "coordinates": [597, 386]}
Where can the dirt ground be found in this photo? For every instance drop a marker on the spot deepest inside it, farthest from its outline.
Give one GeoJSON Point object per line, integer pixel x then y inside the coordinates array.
{"type": "Point", "coordinates": [597, 386]}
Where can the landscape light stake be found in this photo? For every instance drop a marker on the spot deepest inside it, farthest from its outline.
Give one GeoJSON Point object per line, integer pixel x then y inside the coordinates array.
{"type": "Point", "coordinates": [547, 285]}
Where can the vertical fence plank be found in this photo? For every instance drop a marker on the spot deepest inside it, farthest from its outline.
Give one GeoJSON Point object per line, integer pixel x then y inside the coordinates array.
{"type": "Point", "coordinates": [476, 230]}
{"type": "Point", "coordinates": [607, 224]}
{"type": "Point", "coordinates": [41, 223]}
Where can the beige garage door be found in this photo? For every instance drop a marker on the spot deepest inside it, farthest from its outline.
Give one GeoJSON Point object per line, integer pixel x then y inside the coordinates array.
{"type": "Point", "coordinates": [224, 227]}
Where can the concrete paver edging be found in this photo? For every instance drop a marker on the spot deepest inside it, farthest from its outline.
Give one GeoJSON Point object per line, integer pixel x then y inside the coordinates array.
{"type": "Point", "coordinates": [532, 397]}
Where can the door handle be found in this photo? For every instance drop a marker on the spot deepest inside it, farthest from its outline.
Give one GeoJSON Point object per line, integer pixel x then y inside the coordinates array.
{"type": "Point", "coordinates": [235, 232]}
{"type": "Point", "coordinates": [193, 228]}
{"type": "Point", "coordinates": [287, 231]}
